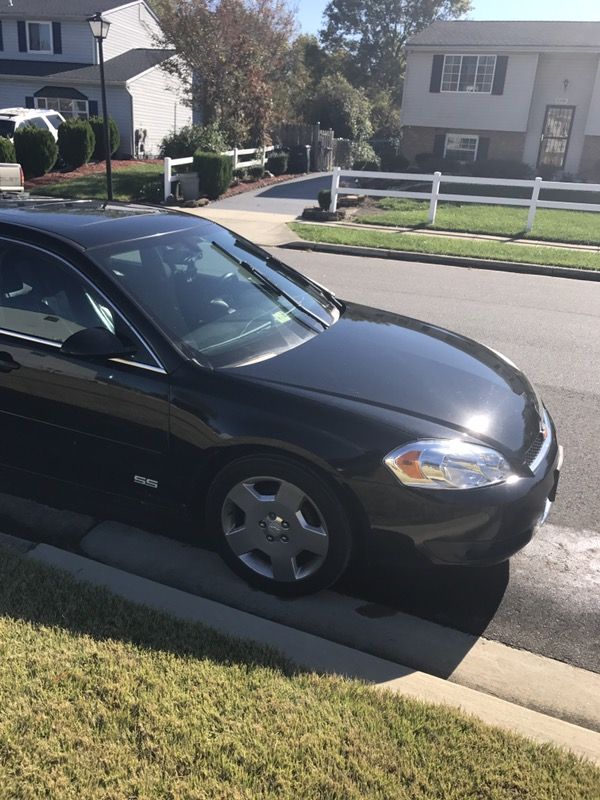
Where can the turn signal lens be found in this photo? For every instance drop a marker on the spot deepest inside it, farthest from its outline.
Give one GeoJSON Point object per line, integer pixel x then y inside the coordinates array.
{"type": "Point", "coordinates": [448, 464]}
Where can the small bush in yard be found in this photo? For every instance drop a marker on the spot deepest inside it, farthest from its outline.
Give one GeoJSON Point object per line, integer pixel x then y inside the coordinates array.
{"type": "Point", "coordinates": [325, 199]}
{"type": "Point", "coordinates": [429, 162]}
{"type": "Point", "coordinates": [214, 171]}
{"type": "Point", "coordinates": [277, 163]}
{"type": "Point", "coordinates": [97, 125]}
{"type": "Point", "coordinates": [184, 143]}
{"type": "Point", "coordinates": [501, 168]}
{"type": "Point", "coordinates": [256, 173]}
{"type": "Point", "coordinates": [7, 151]}
{"type": "Point", "coordinates": [36, 150]}
{"type": "Point", "coordinates": [76, 142]}
{"type": "Point", "coordinates": [364, 157]}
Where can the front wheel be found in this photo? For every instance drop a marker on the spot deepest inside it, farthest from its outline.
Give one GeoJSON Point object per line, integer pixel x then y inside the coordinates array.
{"type": "Point", "coordinates": [279, 526]}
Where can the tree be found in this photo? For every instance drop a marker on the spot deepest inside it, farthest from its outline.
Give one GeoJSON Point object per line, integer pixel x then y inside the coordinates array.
{"type": "Point", "coordinates": [373, 34]}
{"type": "Point", "coordinates": [338, 105]}
{"type": "Point", "coordinates": [230, 53]}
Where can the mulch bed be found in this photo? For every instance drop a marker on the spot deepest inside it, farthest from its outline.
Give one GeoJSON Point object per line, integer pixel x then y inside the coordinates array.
{"type": "Point", "coordinates": [90, 169]}
{"type": "Point", "coordinates": [86, 169]}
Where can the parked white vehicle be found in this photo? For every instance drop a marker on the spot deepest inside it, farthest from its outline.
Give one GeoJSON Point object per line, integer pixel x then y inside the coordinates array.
{"type": "Point", "coordinates": [11, 178]}
{"type": "Point", "coordinates": [13, 118]}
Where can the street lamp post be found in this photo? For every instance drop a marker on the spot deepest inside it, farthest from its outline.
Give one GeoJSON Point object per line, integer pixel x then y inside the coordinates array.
{"type": "Point", "coordinates": [99, 29]}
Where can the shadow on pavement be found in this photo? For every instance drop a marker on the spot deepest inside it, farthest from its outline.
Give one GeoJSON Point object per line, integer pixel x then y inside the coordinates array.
{"type": "Point", "coordinates": [464, 598]}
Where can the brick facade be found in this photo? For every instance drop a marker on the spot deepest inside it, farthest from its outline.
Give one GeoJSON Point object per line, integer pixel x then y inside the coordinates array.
{"type": "Point", "coordinates": [503, 144]}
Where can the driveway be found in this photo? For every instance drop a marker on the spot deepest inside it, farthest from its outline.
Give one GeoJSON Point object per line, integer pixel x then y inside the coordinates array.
{"type": "Point", "coordinates": [289, 198]}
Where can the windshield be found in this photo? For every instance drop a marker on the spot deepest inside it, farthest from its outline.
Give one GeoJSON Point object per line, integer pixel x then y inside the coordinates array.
{"type": "Point", "coordinates": [220, 298]}
{"type": "Point", "coordinates": [55, 120]}
{"type": "Point", "coordinates": [7, 128]}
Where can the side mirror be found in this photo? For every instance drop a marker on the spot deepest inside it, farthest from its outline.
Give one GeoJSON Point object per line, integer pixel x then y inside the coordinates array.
{"type": "Point", "coordinates": [96, 343]}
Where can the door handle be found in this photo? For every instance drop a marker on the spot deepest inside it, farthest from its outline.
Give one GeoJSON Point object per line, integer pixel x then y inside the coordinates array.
{"type": "Point", "coordinates": [7, 362]}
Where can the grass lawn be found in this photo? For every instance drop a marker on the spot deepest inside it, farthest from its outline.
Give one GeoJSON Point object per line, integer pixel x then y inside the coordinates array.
{"type": "Point", "coordinates": [104, 699]}
{"type": "Point", "coordinates": [445, 246]}
{"type": "Point", "coordinates": [579, 227]}
{"type": "Point", "coordinates": [129, 184]}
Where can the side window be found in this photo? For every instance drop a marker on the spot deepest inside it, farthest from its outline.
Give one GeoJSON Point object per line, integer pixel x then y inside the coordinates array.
{"type": "Point", "coordinates": [40, 296]}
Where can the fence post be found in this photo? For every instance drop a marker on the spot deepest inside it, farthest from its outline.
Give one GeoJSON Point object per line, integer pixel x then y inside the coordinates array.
{"type": "Point", "coordinates": [167, 177]}
{"type": "Point", "coordinates": [535, 196]}
{"type": "Point", "coordinates": [335, 185]}
{"type": "Point", "coordinates": [435, 193]}
{"type": "Point", "coordinates": [235, 157]}
{"type": "Point", "coordinates": [264, 156]}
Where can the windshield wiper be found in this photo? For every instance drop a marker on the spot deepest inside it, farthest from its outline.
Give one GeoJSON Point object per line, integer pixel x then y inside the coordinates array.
{"type": "Point", "coordinates": [244, 244]}
{"type": "Point", "coordinates": [271, 284]}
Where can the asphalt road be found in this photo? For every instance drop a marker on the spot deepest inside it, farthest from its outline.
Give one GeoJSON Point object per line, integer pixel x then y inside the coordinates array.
{"type": "Point", "coordinates": [548, 599]}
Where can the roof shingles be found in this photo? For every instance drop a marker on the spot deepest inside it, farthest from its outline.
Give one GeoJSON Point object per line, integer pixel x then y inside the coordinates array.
{"type": "Point", "coordinates": [471, 33]}
{"type": "Point", "coordinates": [57, 9]}
{"type": "Point", "coordinates": [117, 70]}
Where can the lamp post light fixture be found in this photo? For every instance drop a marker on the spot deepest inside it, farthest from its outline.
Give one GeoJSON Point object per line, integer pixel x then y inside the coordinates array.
{"type": "Point", "coordinates": [99, 28]}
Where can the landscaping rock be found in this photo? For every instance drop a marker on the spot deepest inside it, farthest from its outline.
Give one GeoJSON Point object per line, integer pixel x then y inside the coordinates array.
{"type": "Point", "coordinates": [200, 202]}
{"type": "Point", "coordinates": [317, 214]}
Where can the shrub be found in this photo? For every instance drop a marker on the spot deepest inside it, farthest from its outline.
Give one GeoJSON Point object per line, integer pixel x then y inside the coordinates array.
{"type": "Point", "coordinates": [256, 173]}
{"type": "Point", "coordinates": [429, 162]}
{"type": "Point", "coordinates": [97, 125]}
{"type": "Point", "coordinates": [240, 174]}
{"type": "Point", "coordinates": [392, 159]}
{"type": "Point", "coordinates": [214, 171]}
{"type": "Point", "coordinates": [151, 191]}
{"type": "Point", "coordinates": [501, 168]}
{"type": "Point", "coordinates": [75, 142]}
{"type": "Point", "coordinates": [207, 138]}
{"type": "Point", "coordinates": [36, 150]}
{"type": "Point", "coordinates": [7, 151]}
{"type": "Point", "coordinates": [325, 199]}
{"type": "Point", "coordinates": [364, 157]}
{"type": "Point", "coordinates": [277, 163]}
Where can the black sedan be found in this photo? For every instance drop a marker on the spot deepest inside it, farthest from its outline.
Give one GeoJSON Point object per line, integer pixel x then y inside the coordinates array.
{"type": "Point", "coordinates": [155, 356]}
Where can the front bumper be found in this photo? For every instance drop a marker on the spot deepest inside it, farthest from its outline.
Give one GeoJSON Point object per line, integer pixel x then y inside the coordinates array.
{"type": "Point", "coordinates": [479, 527]}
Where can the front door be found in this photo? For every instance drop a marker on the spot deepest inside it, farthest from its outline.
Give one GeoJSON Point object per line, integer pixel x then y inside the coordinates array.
{"type": "Point", "coordinates": [555, 137]}
{"type": "Point", "coordinates": [102, 424]}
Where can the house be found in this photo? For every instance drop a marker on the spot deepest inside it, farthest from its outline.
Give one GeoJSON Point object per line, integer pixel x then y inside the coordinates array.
{"type": "Point", "coordinates": [513, 90]}
{"type": "Point", "coordinates": [49, 59]}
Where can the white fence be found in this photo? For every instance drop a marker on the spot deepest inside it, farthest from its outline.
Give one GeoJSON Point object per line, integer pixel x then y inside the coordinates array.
{"type": "Point", "coordinates": [238, 156]}
{"type": "Point", "coordinates": [435, 195]}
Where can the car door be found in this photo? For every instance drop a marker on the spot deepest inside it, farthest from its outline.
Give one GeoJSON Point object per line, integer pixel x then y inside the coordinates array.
{"type": "Point", "coordinates": [100, 423]}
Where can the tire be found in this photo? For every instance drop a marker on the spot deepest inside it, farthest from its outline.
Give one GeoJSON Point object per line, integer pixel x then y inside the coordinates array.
{"type": "Point", "coordinates": [279, 526]}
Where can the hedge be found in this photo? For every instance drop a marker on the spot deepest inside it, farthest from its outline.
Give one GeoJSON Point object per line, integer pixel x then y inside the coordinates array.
{"type": "Point", "coordinates": [277, 163]}
{"type": "Point", "coordinates": [75, 142]}
{"type": "Point", "coordinates": [7, 151]}
{"type": "Point", "coordinates": [214, 171]}
{"type": "Point", "coordinates": [36, 150]}
{"type": "Point", "coordinates": [97, 126]}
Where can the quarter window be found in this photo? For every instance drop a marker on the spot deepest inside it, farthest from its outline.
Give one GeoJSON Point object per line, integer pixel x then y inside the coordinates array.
{"type": "Point", "coordinates": [39, 37]}
{"type": "Point", "coordinates": [78, 109]}
{"type": "Point", "coordinates": [461, 148]}
{"type": "Point", "coordinates": [468, 74]}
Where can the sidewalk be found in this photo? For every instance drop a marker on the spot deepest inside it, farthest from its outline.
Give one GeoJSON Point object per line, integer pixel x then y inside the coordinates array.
{"type": "Point", "coordinates": [319, 654]}
{"type": "Point", "coordinates": [265, 229]}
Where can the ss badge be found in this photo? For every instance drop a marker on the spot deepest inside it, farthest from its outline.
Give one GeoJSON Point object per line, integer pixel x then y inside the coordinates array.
{"type": "Point", "coordinates": [149, 483]}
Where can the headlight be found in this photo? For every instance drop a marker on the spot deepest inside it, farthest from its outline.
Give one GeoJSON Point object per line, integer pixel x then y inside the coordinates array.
{"type": "Point", "coordinates": [448, 464]}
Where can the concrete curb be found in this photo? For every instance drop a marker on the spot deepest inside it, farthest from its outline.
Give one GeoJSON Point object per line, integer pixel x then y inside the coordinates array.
{"type": "Point", "coordinates": [450, 261]}
{"type": "Point", "coordinates": [462, 658]}
{"type": "Point", "coordinates": [324, 656]}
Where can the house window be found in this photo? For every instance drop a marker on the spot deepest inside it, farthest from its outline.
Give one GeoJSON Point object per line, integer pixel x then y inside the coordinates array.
{"type": "Point", "coordinates": [68, 108]}
{"type": "Point", "coordinates": [39, 37]}
{"type": "Point", "coordinates": [461, 148]}
{"type": "Point", "coordinates": [468, 74]}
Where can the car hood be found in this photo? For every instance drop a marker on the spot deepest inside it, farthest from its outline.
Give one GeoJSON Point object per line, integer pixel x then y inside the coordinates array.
{"type": "Point", "coordinates": [414, 368]}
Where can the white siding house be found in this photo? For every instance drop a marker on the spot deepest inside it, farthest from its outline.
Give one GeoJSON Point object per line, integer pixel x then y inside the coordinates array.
{"type": "Point", "coordinates": [528, 91]}
{"type": "Point", "coordinates": [49, 59]}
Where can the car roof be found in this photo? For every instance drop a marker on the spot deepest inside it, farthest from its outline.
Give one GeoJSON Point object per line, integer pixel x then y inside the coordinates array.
{"type": "Point", "coordinates": [94, 223]}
